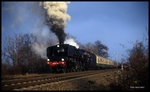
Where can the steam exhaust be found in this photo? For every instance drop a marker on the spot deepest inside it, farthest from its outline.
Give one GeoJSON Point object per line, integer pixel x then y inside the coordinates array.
{"type": "Point", "coordinates": [56, 17]}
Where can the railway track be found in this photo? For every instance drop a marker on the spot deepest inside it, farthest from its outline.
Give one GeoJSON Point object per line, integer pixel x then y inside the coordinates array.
{"type": "Point", "coordinates": [24, 83]}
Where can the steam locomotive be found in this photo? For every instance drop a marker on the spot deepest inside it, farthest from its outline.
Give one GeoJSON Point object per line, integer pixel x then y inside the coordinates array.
{"type": "Point", "coordinates": [67, 58]}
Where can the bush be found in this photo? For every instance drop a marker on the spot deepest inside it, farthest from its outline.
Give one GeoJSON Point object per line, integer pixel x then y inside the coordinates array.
{"type": "Point", "coordinates": [136, 74]}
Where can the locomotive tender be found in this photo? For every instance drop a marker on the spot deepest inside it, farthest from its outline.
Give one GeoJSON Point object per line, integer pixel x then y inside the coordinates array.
{"type": "Point", "coordinates": [67, 58]}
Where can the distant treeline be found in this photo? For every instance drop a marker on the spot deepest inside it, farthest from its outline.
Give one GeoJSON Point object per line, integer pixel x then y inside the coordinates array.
{"type": "Point", "coordinates": [19, 56]}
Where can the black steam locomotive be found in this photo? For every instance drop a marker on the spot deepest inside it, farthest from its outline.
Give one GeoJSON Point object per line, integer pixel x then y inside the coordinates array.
{"type": "Point", "coordinates": [67, 58]}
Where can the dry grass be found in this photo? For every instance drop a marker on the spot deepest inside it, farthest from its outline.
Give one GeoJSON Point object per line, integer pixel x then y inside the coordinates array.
{"type": "Point", "coordinates": [8, 77]}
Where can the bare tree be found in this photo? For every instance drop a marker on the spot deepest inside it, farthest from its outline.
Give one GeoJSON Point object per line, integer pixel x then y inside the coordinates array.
{"type": "Point", "coordinates": [102, 49]}
{"type": "Point", "coordinates": [17, 51]}
{"type": "Point", "coordinates": [97, 48]}
{"type": "Point", "coordinates": [19, 58]}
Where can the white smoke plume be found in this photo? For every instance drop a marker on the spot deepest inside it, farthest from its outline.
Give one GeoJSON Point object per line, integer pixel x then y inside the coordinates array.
{"type": "Point", "coordinates": [72, 42]}
{"type": "Point", "coordinates": [40, 49]}
{"type": "Point", "coordinates": [44, 39]}
{"type": "Point", "coordinates": [56, 17]}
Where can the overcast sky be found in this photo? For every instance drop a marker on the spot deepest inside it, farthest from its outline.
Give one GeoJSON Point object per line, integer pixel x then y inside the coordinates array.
{"type": "Point", "coordinates": [113, 23]}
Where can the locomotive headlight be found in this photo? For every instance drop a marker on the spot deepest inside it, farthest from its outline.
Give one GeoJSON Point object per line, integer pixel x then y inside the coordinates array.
{"type": "Point", "coordinates": [57, 45]}
{"type": "Point", "coordinates": [62, 59]}
{"type": "Point", "coordinates": [48, 59]}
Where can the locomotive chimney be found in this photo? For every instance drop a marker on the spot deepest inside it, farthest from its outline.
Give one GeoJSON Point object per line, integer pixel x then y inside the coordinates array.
{"type": "Point", "coordinates": [60, 42]}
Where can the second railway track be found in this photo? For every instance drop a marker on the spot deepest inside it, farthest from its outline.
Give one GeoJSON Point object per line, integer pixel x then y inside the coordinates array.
{"type": "Point", "coordinates": [24, 83]}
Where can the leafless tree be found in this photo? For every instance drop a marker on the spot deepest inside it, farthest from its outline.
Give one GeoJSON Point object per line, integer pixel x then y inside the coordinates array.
{"type": "Point", "coordinates": [97, 48]}
{"type": "Point", "coordinates": [20, 57]}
